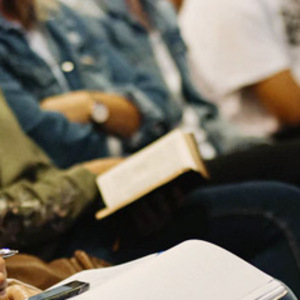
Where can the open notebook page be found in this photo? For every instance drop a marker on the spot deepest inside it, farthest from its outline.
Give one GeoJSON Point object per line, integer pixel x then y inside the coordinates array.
{"type": "Point", "coordinates": [192, 270]}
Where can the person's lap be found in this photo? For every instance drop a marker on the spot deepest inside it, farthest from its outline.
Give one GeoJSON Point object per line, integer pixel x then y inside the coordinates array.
{"type": "Point", "coordinates": [257, 221]}
{"type": "Point", "coordinates": [279, 161]}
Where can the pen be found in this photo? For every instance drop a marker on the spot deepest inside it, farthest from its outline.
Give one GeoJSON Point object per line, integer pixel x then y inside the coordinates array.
{"type": "Point", "coordinates": [5, 252]}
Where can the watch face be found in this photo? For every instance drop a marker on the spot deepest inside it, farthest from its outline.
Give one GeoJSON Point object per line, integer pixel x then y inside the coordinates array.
{"type": "Point", "coordinates": [100, 113]}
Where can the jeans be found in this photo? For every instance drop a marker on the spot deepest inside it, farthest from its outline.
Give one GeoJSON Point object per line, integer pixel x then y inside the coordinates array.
{"type": "Point", "coordinates": [279, 161]}
{"type": "Point", "coordinates": [260, 222]}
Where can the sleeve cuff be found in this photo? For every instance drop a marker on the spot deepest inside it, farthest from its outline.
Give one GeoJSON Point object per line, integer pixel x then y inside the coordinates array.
{"type": "Point", "coordinates": [85, 181]}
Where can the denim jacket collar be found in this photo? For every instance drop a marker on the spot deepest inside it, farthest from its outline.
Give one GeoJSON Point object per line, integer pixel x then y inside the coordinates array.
{"type": "Point", "coordinates": [7, 26]}
{"type": "Point", "coordinates": [156, 10]}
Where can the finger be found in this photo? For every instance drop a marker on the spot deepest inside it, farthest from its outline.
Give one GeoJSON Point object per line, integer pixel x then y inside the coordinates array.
{"type": "Point", "coordinates": [2, 266]}
{"type": "Point", "coordinates": [20, 292]}
{"type": "Point", "coordinates": [3, 283]}
{"type": "Point", "coordinates": [3, 297]}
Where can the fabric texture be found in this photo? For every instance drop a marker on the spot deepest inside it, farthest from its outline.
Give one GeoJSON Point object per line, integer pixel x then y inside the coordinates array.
{"type": "Point", "coordinates": [26, 79]}
{"type": "Point", "coordinates": [128, 35]}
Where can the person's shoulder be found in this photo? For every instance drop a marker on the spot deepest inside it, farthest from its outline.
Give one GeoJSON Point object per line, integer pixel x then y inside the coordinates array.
{"type": "Point", "coordinates": [239, 11]}
{"type": "Point", "coordinates": [220, 10]}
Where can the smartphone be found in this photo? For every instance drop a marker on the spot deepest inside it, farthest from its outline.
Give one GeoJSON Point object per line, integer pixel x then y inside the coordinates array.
{"type": "Point", "coordinates": [63, 292]}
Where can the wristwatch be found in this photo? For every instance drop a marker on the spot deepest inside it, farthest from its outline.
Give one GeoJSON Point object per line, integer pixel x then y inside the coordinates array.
{"type": "Point", "coordinates": [99, 113]}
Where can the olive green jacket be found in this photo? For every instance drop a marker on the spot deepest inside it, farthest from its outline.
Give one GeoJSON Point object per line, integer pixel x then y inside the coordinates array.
{"type": "Point", "coordinates": [37, 201]}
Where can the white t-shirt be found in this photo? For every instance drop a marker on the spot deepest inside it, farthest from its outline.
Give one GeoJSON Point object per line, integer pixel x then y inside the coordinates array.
{"type": "Point", "coordinates": [235, 43]}
{"type": "Point", "coordinates": [190, 120]}
{"type": "Point", "coordinates": [38, 41]}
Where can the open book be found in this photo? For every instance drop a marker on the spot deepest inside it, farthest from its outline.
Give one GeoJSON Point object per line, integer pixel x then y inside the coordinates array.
{"type": "Point", "coordinates": [174, 156]}
{"type": "Point", "coordinates": [192, 270]}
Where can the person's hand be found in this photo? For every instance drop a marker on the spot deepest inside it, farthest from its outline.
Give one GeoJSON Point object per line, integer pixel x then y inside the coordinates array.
{"type": "Point", "coordinates": [124, 118]}
{"type": "Point", "coordinates": [3, 282]}
{"type": "Point", "coordinates": [99, 166]}
{"type": "Point", "coordinates": [15, 292]}
{"type": "Point", "coordinates": [76, 106]}
{"type": "Point", "coordinates": [20, 292]}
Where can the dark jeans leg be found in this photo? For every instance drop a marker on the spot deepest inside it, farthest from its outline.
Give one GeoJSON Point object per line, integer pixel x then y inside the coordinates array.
{"type": "Point", "coordinates": [280, 162]}
{"type": "Point", "coordinates": [259, 222]}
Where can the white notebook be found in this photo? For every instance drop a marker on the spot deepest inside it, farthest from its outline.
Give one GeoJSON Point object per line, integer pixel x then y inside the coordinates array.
{"type": "Point", "coordinates": [191, 270]}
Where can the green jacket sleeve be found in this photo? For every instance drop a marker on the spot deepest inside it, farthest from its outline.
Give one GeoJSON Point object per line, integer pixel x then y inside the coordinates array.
{"type": "Point", "coordinates": [37, 201]}
{"type": "Point", "coordinates": [35, 212]}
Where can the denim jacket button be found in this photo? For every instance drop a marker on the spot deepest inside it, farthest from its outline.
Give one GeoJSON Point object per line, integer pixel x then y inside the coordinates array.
{"type": "Point", "coordinates": [67, 66]}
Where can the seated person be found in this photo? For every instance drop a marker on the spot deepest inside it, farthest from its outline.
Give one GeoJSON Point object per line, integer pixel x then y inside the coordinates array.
{"type": "Point", "coordinates": [245, 55]}
{"type": "Point", "coordinates": [125, 23]}
{"type": "Point", "coordinates": [72, 138]}
{"type": "Point", "coordinates": [42, 206]}
{"type": "Point", "coordinates": [148, 35]}
{"type": "Point", "coordinates": [57, 74]}
{"type": "Point", "coordinates": [247, 58]}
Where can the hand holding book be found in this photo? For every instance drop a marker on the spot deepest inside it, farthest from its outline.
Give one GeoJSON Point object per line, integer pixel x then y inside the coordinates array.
{"type": "Point", "coordinates": [172, 161]}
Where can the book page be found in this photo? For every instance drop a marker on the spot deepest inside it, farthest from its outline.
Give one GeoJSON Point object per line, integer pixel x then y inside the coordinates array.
{"type": "Point", "coordinates": [196, 154]}
{"type": "Point", "coordinates": [98, 277]}
{"type": "Point", "coordinates": [149, 168]}
{"type": "Point", "coordinates": [193, 270]}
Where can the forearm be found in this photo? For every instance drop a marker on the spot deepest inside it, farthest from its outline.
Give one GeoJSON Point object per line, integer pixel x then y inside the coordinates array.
{"type": "Point", "coordinates": [75, 106]}
{"type": "Point", "coordinates": [100, 166]}
{"type": "Point", "coordinates": [52, 131]}
{"type": "Point", "coordinates": [36, 212]}
{"type": "Point", "coordinates": [280, 94]}
{"type": "Point", "coordinates": [123, 119]}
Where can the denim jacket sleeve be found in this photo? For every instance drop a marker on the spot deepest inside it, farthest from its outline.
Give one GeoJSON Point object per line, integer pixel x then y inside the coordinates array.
{"type": "Point", "coordinates": [138, 86]}
{"type": "Point", "coordinates": [146, 93]}
{"type": "Point", "coordinates": [66, 143]}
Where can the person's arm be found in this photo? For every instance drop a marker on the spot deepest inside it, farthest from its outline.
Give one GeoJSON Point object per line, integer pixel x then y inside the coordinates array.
{"type": "Point", "coordinates": [177, 3]}
{"type": "Point", "coordinates": [50, 204]}
{"type": "Point", "coordinates": [99, 166]}
{"type": "Point", "coordinates": [18, 290]}
{"type": "Point", "coordinates": [123, 119]}
{"type": "Point", "coordinates": [236, 46]}
{"type": "Point", "coordinates": [14, 290]}
{"type": "Point", "coordinates": [280, 94]}
{"type": "Point", "coordinates": [66, 143]}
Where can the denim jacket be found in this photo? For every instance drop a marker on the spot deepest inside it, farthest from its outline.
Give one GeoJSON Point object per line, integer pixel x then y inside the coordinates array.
{"type": "Point", "coordinates": [132, 39]}
{"type": "Point", "coordinates": [26, 79]}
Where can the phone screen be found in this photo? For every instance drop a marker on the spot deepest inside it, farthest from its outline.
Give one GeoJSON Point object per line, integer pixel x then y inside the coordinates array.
{"type": "Point", "coordinates": [53, 292]}
{"type": "Point", "coordinates": [62, 292]}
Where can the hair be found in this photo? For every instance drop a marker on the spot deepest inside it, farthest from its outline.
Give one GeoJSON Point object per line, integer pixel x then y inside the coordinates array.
{"type": "Point", "coordinates": [44, 8]}
{"type": "Point", "coordinates": [28, 12]}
